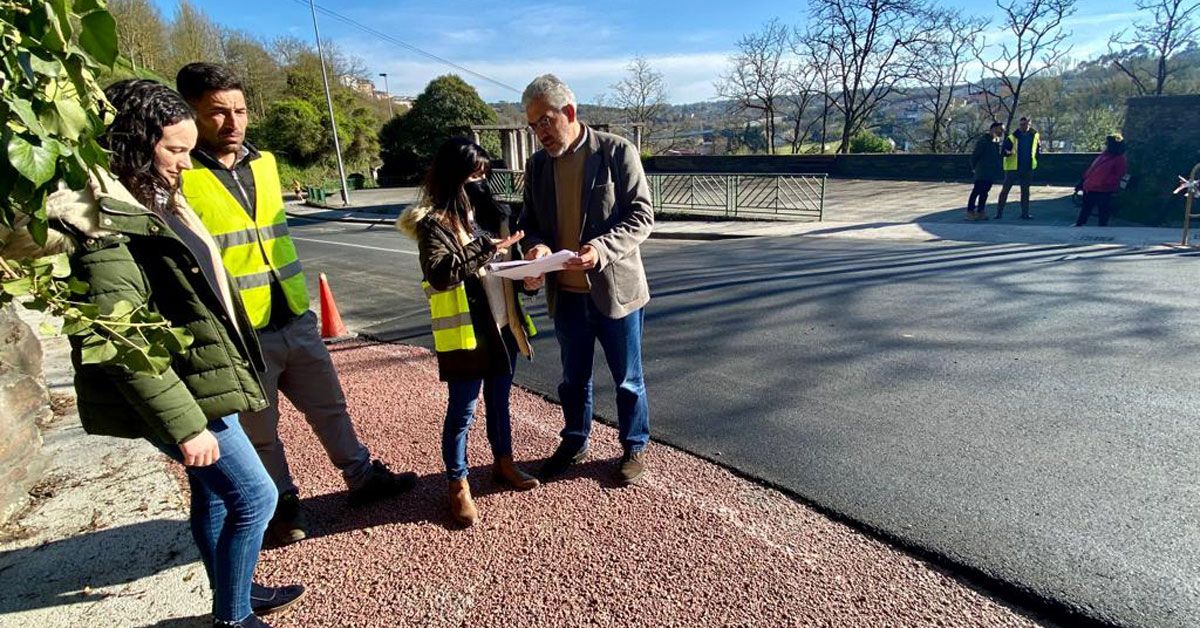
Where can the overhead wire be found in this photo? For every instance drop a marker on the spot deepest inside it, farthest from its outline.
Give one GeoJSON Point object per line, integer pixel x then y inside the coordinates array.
{"type": "Point", "coordinates": [407, 46]}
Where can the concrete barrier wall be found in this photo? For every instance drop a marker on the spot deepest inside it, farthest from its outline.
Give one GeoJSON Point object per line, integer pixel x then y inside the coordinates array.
{"type": "Point", "coordinates": [1053, 168]}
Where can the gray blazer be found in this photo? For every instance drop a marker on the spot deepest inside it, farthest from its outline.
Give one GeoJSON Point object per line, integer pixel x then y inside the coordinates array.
{"type": "Point", "coordinates": [617, 214]}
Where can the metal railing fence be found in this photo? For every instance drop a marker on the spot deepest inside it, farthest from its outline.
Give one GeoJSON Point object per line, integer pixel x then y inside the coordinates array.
{"type": "Point", "coordinates": [756, 196]}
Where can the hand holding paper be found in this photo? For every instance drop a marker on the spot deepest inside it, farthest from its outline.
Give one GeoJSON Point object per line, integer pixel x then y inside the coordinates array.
{"type": "Point", "coordinates": [527, 269]}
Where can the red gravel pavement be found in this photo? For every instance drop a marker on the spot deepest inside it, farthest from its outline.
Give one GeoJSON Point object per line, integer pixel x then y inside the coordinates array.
{"type": "Point", "coordinates": [692, 545]}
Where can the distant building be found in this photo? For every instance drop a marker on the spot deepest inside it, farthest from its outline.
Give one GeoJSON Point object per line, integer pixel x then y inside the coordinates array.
{"type": "Point", "coordinates": [359, 84]}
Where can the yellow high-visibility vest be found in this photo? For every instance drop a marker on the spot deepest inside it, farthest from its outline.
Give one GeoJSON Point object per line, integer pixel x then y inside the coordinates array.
{"type": "Point", "coordinates": [450, 314]}
{"type": "Point", "coordinates": [1011, 161]}
{"type": "Point", "coordinates": [255, 250]}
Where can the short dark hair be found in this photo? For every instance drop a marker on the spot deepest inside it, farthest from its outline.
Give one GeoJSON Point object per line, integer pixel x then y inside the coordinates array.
{"type": "Point", "coordinates": [995, 124]}
{"type": "Point", "coordinates": [1023, 119]}
{"type": "Point", "coordinates": [194, 80]}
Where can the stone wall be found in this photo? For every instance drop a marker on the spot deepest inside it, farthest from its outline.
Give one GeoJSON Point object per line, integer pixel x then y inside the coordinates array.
{"type": "Point", "coordinates": [1053, 168]}
{"type": "Point", "coordinates": [1162, 134]}
{"type": "Point", "coordinates": [24, 405]}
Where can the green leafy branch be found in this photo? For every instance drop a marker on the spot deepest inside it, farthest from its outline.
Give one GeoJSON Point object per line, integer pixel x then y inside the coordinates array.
{"type": "Point", "coordinates": [53, 108]}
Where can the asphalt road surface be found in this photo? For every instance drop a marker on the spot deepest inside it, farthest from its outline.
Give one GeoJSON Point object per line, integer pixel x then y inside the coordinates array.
{"type": "Point", "coordinates": [1027, 413]}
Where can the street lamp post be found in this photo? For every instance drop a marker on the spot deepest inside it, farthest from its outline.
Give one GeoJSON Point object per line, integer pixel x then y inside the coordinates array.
{"type": "Point", "coordinates": [337, 146]}
{"type": "Point", "coordinates": [391, 114]}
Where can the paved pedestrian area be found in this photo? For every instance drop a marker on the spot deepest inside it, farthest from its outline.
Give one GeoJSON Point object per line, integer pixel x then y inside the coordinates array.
{"type": "Point", "coordinates": [106, 542]}
{"type": "Point", "coordinates": [691, 546]}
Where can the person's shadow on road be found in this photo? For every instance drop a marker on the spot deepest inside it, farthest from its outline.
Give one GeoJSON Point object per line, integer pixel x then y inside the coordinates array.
{"type": "Point", "coordinates": [73, 570]}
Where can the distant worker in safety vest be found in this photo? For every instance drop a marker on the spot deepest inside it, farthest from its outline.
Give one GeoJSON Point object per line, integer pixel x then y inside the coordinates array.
{"type": "Point", "coordinates": [1021, 151]}
{"type": "Point", "coordinates": [235, 190]}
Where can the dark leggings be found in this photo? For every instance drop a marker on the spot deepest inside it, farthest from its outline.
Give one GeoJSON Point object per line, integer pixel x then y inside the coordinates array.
{"type": "Point", "coordinates": [979, 194]}
{"type": "Point", "coordinates": [1102, 201]}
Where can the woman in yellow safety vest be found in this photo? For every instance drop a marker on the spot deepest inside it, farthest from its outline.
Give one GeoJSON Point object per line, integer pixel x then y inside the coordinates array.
{"type": "Point", "coordinates": [479, 324]}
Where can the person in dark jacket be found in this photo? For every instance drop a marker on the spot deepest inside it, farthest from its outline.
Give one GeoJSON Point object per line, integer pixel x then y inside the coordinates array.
{"type": "Point", "coordinates": [988, 167]}
{"type": "Point", "coordinates": [135, 243]}
{"type": "Point", "coordinates": [479, 324]}
{"type": "Point", "coordinates": [1102, 179]}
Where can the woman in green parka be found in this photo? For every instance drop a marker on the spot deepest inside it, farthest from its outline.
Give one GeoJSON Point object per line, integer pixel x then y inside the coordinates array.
{"type": "Point", "coordinates": [134, 240]}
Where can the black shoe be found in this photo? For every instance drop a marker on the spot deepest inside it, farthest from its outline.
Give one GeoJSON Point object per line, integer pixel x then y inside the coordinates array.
{"type": "Point", "coordinates": [631, 468]}
{"type": "Point", "coordinates": [998, 216]}
{"type": "Point", "coordinates": [1026, 217]}
{"type": "Point", "coordinates": [560, 461]}
{"type": "Point", "coordinates": [382, 483]}
{"type": "Point", "coordinates": [250, 622]}
{"type": "Point", "coordinates": [267, 600]}
{"type": "Point", "coordinates": [289, 525]}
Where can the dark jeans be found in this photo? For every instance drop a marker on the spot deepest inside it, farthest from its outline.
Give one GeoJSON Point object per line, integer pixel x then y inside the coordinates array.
{"type": "Point", "coordinates": [1024, 178]}
{"type": "Point", "coordinates": [578, 324]}
{"type": "Point", "coordinates": [978, 198]}
{"type": "Point", "coordinates": [1101, 201]}
{"type": "Point", "coordinates": [232, 502]}
{"type": "Point", "coordinates": [460, 414]}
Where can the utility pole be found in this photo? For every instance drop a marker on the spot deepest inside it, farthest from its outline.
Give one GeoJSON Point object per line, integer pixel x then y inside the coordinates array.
{"type": "Point", "coordinates": [391, 114]}
{"type": "Point", "coordinates": [337, 146]}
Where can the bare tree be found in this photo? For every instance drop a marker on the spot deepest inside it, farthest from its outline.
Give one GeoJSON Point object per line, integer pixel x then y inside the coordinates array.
{"type": "Point", "coordinates": [193, 36]}
{"type": "Point", "coordinates": [944, 71]}
{"type": "Point", "coordinates": [1035, 42]}
{"type": "Point", "coordinates": [642, 93]}
{"type": "Point", "coordinates": [141, 32]}
{"type": "Point", "coordinates": [260, 72]}
{"type": "Point", "coordinates": [1172, 29]}
{"type": "Point", "coordinates": [758, 75]}
{"type": "Point", "coordinates": [816, 58]}
{"type": "Point", "coordinates": [874, 46]}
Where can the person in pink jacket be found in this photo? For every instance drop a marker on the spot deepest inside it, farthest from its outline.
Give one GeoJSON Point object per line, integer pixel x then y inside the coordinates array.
{"type": "Point", "coordinates": [1101, 180]}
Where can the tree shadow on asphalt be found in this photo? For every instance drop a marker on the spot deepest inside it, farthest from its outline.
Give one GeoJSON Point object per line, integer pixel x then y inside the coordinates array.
{"type": "Point", "coordinates": [56, 573]}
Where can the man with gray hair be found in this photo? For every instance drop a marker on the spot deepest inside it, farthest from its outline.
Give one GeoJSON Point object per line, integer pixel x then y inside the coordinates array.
{"type": "Point", "coordinates": [585, 191]}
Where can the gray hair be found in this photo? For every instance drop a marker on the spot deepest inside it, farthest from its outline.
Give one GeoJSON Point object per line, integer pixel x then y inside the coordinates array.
{"type": "Point", "coordinates": [549, 88]}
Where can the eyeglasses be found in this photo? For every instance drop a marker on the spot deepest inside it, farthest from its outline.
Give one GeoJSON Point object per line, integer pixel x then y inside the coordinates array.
{"type": "Point", "coordinates": [541, 123]}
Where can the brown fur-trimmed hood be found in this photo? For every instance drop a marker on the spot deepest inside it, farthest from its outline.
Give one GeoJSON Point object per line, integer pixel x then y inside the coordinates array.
{"type": "Point", "coordinates": [72, 214]}
{"type": "Point", "coordinates": [409, 223]}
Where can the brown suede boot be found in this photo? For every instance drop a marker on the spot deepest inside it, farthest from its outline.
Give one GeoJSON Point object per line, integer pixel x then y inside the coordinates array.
{"type": "Point", "coordinates": [462, 507]}
{"type": "Point", "coordinates": [507, 472]}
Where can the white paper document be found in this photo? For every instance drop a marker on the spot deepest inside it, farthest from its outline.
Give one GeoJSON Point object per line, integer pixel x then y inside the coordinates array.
{"type": "Point", "coordinates": [521, 269]}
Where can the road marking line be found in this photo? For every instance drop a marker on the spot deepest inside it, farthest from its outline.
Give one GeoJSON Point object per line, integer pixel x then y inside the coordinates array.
{"type": "Point", "coordinates": [357, 246]}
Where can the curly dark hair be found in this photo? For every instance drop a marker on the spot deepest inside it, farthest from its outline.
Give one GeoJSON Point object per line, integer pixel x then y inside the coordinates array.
{"type": "Point", "coordinates": [141, 109]}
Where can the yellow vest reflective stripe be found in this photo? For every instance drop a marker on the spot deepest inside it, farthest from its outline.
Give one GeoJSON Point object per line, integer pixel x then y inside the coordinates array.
{"type": "Point", "coordinates": [255, 251]}
{"type": "Point", "coordinates": [1011, 161]}
{"type": "Point", "coordinates": [451, 316]}
{"type": "Point", "coordinates": [530, 330]}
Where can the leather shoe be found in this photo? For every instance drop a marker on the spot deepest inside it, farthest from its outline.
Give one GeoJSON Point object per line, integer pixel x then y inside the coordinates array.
{"type": "Point", "coordinates": [631, 468]}
{"type": "Point", "coordinates": [382, 483]}
{"type": "Point", "coordinates": [462, 507]}
{"type": "Point", "coordinates": [288, 525]}
{"type": "Point", "coordinates": [266, 600]}
{"type": "Point", "coordinates": [507, 472]}
{"type": "Point", "coordinates": [561, 460]}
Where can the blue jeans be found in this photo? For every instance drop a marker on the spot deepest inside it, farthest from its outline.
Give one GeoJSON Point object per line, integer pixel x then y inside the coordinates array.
{"type": "Point", "coordinates": [232, 502]}
{"type": "Point", "coordinates": [578, 324]}
{"type": "Point", "coordinates": [460, 414]}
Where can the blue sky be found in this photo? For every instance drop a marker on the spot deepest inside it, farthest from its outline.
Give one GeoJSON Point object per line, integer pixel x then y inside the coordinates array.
{"type": "Point", "coordinates": [586, 43]}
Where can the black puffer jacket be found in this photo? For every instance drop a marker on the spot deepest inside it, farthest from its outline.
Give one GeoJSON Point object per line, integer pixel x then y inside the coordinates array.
{"type": "Point", "coordinates": [446, 261]}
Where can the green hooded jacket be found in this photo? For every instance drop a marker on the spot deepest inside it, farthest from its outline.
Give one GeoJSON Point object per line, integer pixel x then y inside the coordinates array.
{"type": "Point", "coordinates": [126, 252]}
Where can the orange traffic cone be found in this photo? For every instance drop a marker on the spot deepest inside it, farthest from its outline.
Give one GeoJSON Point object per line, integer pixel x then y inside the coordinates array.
{"type": "Point", "coordinates": [331, 322]}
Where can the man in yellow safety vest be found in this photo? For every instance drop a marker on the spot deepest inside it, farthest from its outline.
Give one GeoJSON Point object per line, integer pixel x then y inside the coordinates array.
{"type": "Point", "coordinates": [1021, 150]}
{"type": "Point", "coordinates": [236, 192]}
